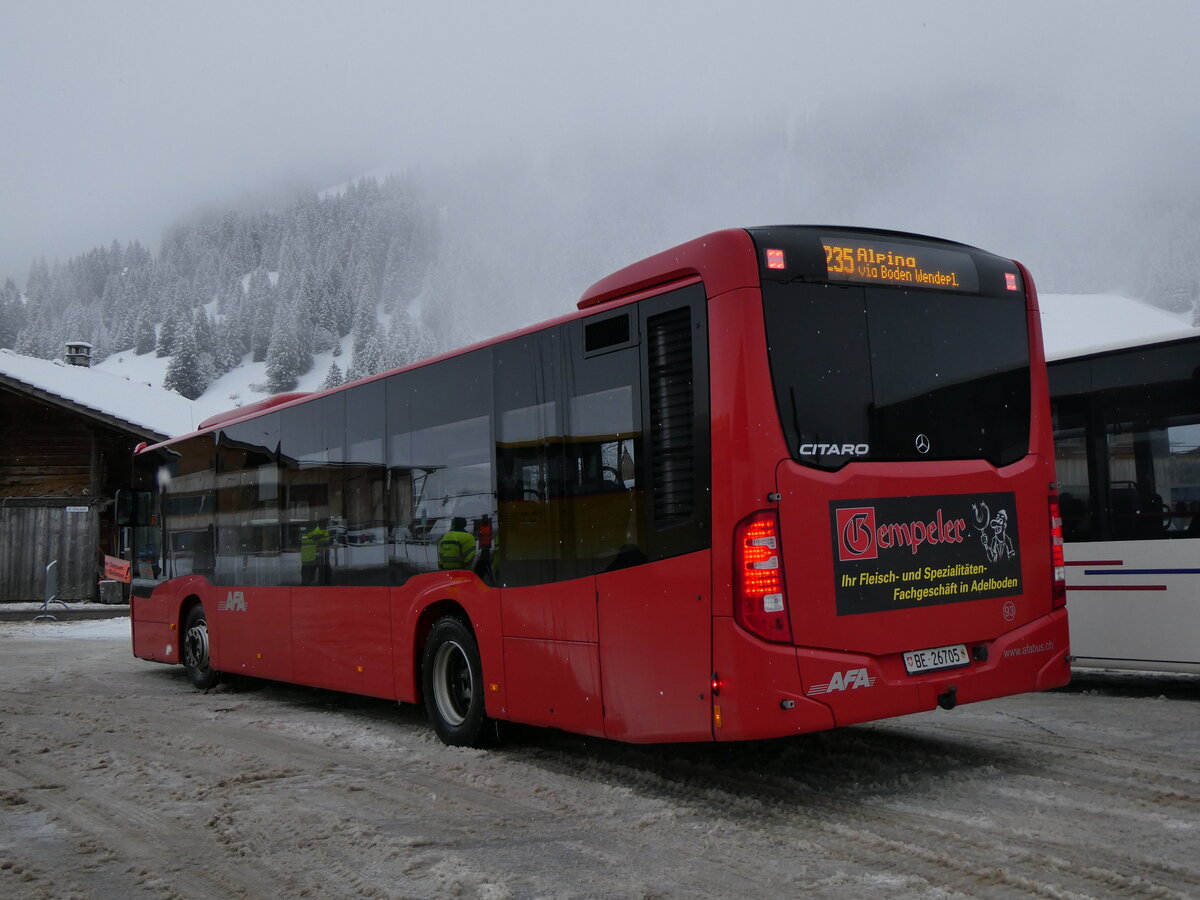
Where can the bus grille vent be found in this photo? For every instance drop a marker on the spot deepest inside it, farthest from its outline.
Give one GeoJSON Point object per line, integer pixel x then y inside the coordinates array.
{"type": "Point", "coordinates": [672, 413]}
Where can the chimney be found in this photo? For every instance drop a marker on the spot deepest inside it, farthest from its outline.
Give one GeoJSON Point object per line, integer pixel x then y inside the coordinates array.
{"type": "Point", "coordinates": [79, 353]}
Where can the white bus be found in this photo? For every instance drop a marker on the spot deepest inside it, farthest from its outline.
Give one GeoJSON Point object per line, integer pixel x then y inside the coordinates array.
{"type": "Point", "coordinates": [1127, 442]}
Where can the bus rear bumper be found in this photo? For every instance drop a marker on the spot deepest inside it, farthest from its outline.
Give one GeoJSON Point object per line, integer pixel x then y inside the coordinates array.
{"type": "Point", "coordinates": [822, 689]}
{"type": "Point", "coordinates": [859, 688]}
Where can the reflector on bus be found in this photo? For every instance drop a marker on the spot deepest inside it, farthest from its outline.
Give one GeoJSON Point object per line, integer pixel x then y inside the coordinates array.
{"type": "Point", "coordinates": [1057, 559]}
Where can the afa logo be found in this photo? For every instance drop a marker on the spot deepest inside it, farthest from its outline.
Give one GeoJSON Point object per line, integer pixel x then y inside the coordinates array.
{"type": "Point", "coordinates": [850, 680]}
{"type": "Point", "coordinates": [235, 601]}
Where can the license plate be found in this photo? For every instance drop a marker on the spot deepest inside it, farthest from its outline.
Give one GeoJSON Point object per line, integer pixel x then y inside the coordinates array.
{"type": "Point", "coordinates": [917, 661]}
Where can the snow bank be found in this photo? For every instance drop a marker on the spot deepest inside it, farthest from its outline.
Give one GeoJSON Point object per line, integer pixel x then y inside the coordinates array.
{"type": "Point", "coordinates": [64, 627]}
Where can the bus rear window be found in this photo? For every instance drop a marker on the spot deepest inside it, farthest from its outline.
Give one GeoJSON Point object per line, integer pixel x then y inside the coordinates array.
{"type": "Point", "coordinates": [877, 373]}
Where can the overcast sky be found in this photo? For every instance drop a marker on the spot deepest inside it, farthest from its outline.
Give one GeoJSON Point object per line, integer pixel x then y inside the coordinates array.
{"type": "Point", "coordinates": [118, 117]}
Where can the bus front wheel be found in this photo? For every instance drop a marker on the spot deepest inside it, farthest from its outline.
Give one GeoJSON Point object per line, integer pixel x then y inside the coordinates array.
{"type": "Point", "coordinates": [195, 649]}
{"type": "Point", "coordinates": [452, 682]}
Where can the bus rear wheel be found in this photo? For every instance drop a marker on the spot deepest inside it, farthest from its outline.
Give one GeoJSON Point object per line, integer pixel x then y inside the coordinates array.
{"type": "Point", "coordinates": [195, 649]}
{"type": "Point", "coordinates": [452, 682]}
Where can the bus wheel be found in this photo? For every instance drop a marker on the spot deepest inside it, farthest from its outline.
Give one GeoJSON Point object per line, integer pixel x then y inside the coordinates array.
{"type": "Point", "coordinates": [195, 649]}
{"type": "Point", "coordinates": [452, 680]}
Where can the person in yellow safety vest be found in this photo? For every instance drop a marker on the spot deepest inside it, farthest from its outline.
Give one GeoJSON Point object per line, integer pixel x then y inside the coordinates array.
{"type": "Point", "coordinates": [456, 550]}
{"type": "Point", "coordinates": [314, 556]}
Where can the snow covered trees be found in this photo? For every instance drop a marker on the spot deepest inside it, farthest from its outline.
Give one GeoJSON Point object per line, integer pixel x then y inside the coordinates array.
{"type": "Point", "coordinates": [185, 373]}
{"type": "Point", "coordinates": [287, 358]}
{"type": "Point", "coordinates": [282, 286]}
{"type": "Point", "coordinates": [12, 314]}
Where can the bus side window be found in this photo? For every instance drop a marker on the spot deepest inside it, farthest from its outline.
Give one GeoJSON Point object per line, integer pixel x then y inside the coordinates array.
{"type": "Point", "coordinates": [532, 545]}
{"type": "Point", "coordinates": [188, 507]}
{"type": "Point", "coordinates": [248, 503]}
{"type": "Point", "coordinates": [1154, 478]}
{"type": "Point", "coordinates": [605, 496]}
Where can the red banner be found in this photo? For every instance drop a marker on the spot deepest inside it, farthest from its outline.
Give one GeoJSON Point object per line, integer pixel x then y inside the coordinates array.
{"type": "Point", "coordinates": [117, 569]}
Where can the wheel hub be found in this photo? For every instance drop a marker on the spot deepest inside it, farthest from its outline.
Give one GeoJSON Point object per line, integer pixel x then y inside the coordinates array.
{"type": "Point", "coordinates": [195, 648]}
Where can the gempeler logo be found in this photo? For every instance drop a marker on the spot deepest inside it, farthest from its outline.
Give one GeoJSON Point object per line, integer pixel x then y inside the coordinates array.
{"type": "Point", "coordinates": [860, 538]}
{"type": "Point", "coordinates": [856, 533]}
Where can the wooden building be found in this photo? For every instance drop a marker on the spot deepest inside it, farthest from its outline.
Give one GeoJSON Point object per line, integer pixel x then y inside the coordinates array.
{"type": "Point", "coordinates": [67, 433]}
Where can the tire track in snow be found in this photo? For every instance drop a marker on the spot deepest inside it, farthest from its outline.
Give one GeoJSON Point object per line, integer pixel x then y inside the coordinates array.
{"type": "Point", "coordinates": [951, 853]}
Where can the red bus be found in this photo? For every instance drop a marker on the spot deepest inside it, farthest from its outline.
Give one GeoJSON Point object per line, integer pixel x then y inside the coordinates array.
{"type": "Point", "coordinates": [770, 481]}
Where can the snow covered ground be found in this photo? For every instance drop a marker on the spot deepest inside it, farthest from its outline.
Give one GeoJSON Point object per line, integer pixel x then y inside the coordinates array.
{"type": "Point", "coordinates": [121, 781]}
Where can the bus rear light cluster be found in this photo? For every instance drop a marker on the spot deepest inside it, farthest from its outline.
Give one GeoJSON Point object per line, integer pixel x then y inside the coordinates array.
{"type": "Point", "coordinates": [1058, 595]}
{"type": "Point", "coordinates": [760, 601]}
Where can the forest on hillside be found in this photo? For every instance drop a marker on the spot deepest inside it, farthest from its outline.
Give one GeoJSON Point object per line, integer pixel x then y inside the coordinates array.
{"type": "Point", "coordinates": [279, 286]}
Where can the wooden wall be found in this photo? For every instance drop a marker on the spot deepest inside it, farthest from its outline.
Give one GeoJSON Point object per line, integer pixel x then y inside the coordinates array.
{"type": "Point", "coordinates": [32, 536]}
{"type": "Point", "coordinates": [52, 460]}
{"type": "Point", "coordinates": [45, 451]}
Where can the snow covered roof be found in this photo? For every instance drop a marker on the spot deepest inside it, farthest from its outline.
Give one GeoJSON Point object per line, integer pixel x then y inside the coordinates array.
{"type": "Point", "coordinates": [138, 407]}
{"type": "Point", "coordinates": [1076, 324]}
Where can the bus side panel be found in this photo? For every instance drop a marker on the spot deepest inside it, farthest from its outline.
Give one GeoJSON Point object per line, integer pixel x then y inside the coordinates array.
{"type": "Point", "coordinates": [250, 631]}
{"type": "Point", "coordinates": [555, 684]}
{"type": "Point", "coordinates": [157, 620]}
{"type": "Point", "coordinates": [760, 694]}
{"type": "Point", "coordinates": [154, 624]}
{"type": "Point", "coordinates": [415, 608]}
{"type": "Point", "coordinates": [656, 649]}
{"type": "Point", "coordinates": [560, 611]}
{"type": "Point", "coordinates": [342, 639]}
{"type": "Point", "coordinates": [551, 660]}
{"type": "Point", "coordinates": [746, 438]}
{"type": "Point", "coordinates": [1135, 604]}
{"type": "Point", "coordinates": [156, 641]}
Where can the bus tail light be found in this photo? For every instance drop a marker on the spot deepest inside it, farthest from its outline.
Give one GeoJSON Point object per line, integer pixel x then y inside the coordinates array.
{"type": "Point", "coordinates": [1058, 595]}
{"type": "Point", "coordinates": [760, 599]}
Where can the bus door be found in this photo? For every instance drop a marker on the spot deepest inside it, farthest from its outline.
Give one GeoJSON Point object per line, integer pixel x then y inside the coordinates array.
{"type": "Point", "coordinates": [333, 502]}
{"type": "Point", "coordinates": [638, 442]}
{"type": "Point", "coordinates": [548, 605]}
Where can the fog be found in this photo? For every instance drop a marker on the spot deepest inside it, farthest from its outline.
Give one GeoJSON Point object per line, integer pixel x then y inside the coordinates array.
{"type": "Point", "coordinates": [561, 141]}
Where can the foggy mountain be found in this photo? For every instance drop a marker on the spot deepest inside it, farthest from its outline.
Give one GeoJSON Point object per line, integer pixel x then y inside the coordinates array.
{"type": "Point", "coordinates": [1086, 215]}
{"type": "Point", "coordinates": [442, 254]}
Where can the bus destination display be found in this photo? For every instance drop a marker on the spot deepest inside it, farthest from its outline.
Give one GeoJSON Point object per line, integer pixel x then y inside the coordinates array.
{"type": "Point", "coordinates": [849, 258]}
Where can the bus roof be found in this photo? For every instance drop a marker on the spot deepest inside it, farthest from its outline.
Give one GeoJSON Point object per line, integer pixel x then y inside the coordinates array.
{"type": "Point", "coordinates": [733, 266]}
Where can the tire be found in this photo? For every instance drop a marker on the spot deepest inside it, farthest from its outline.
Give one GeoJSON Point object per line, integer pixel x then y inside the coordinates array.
{"type": "Point", "coordinates": [195, 650]}
{"type": "Point", "coordinates": [452, 683]}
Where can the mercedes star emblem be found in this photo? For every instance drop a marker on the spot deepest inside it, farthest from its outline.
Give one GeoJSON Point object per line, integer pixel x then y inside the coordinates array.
{"type": "Point", "coordinates": [922, 443]}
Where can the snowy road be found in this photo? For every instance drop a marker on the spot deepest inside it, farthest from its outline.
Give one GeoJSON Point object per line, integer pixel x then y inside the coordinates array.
{"type": "Point", "coordinates": [119, 780]}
